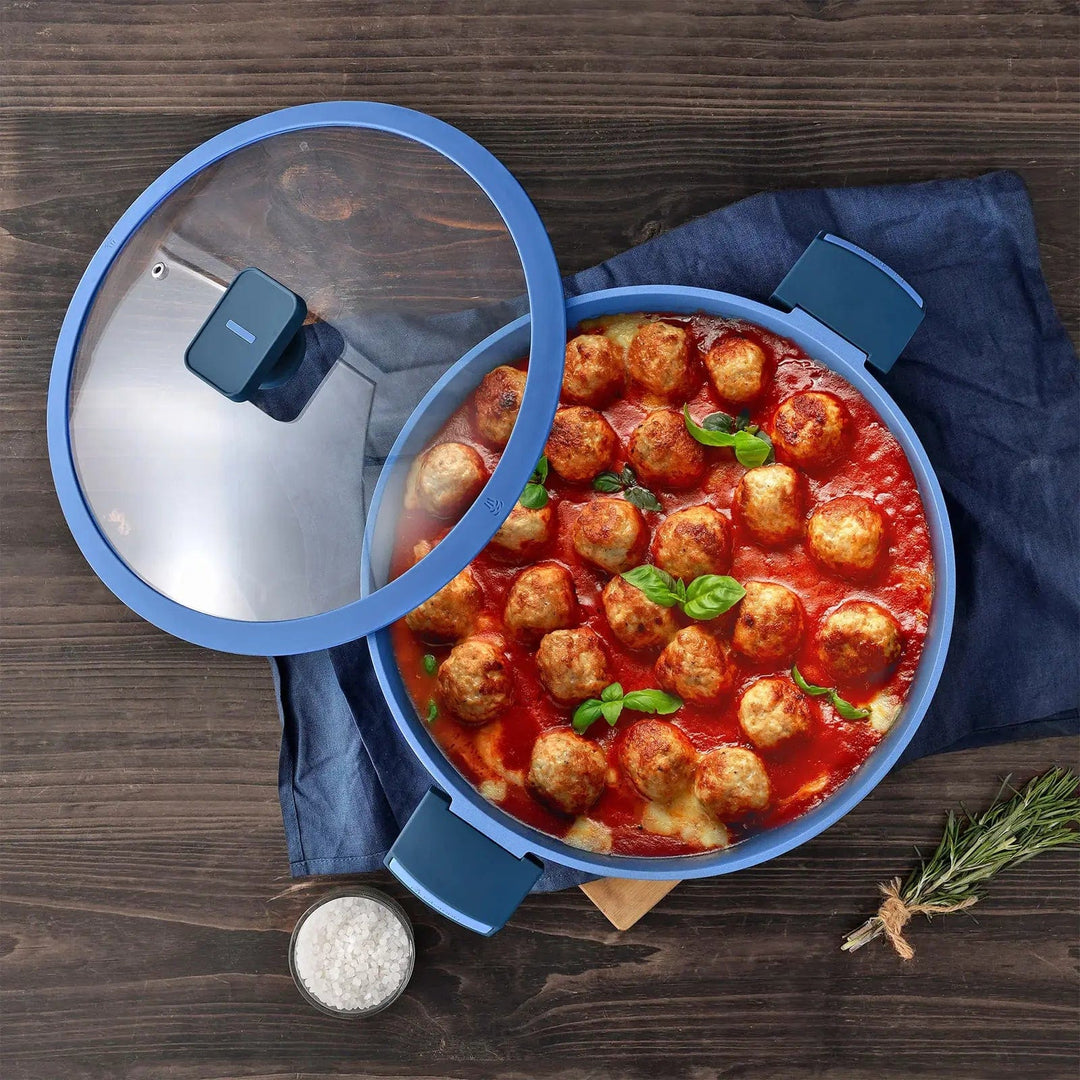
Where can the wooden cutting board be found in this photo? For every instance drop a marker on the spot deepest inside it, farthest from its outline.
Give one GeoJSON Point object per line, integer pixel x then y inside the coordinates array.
{"type": "Point", "coordinates": [624, 900]}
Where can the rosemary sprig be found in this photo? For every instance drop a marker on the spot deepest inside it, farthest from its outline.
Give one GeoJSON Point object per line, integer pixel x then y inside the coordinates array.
{"type": "Point", "coordinates": [1041, 816]}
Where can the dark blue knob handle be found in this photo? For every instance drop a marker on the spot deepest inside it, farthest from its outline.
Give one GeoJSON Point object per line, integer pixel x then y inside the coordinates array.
{"type": "Point", "coordinates": [458, 871]}
{"type": "Point", "coordinates": [248, 339]}
{"type": "Point", "coordinates": [854, 295]}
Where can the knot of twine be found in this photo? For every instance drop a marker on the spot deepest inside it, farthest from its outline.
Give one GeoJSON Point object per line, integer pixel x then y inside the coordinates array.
{"type": "Point", "coordinates": [895, 913]}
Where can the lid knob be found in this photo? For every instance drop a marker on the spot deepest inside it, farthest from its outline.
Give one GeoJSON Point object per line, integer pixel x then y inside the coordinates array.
{"type": "Point", "coordinates": [245, 342]}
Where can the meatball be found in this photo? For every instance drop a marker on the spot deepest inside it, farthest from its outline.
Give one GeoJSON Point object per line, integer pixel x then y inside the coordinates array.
{"type": "Point", "coordinates": [847, 536]}
{"type": "Point", "coordinates": [696, 667]}
{"type": "Point", "coordinates": [594, 371]}
{"type": "Point", "coordinates": [737, 369]}
{"type": "Point", "coordinates": [497, 401]}
{"type": "Point", "coordinates": [566, 771]}
{"type": "Point", "coordinates": [581, 444]}
{"type": "Point", "coordinates": [541, 599]}
{"type": "Point", "coordinates": [731, 782]}
{"type": "Point", "coordinates": [811, 428]}
{"type": "Point", "coordinates": [658, 759]}
{"type": "Point", "coordinates": [664, 453]}
{"type": "Point", "coordinates": [634, 619]}
{"type": "Point", "coordinates": [446, 479]}
{"type": "Point", "coordinates": [693, 542]}
{"type": "Point", "coordinates": [452, 613]}
{"type": "Point", "coordinates": [611, 534]}
{"type": "Point", "coordinates": [772, 710]}
{"type": "Point", "coordinates": [769, 625]}
{"type": "Point", "coordinates": [858, 642]}
{"type": "Point", "coordinates": [769, 502]}
{"type": "Point", "coordinates": [525, 531]}
{"type": "Point", "coordinates": [573, 664]}
{"type": "Point", "coordinates": [475, 681]}
{"type": "Point", "coordinates": [659, 360]}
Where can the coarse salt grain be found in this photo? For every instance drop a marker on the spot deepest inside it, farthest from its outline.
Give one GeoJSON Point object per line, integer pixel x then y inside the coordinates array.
{"type": "Point", "coordinates": [352, 953]}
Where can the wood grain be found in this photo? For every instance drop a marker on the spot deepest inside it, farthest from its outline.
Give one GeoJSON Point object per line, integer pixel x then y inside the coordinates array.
{"type": "Point", "coordinates": [625, 902]}
{"type": "Point", "coordinates": [146, 902]}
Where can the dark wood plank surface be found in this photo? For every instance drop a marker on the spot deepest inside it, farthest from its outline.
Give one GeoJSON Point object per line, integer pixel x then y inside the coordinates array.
{"type": "Point", "coordinates": [146, 900]}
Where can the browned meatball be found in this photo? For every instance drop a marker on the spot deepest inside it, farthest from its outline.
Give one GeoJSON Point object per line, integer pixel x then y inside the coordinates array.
{"type": "Point", "coordinates": [566, 771]}
{"type": "Point", "coordinates": [737, 368]}
{"type": "Point", "coordinates": [658, 759]}
{"type": "Point", "coordinates": [769, 502]}
{"type": "Point", "coordinates": [497, 401]}
{"type": "Point", "coordinates": [474, 680]}
{"type": "Point", "coordinates": [811, 428]}
{"type": "Point", "coordinates": [594, 371]}
{"type": "Point", "coordinates": [731, 782]}
{"type": "Point", "coordinates": [696, 666]}
{"type": "Point", "coordinates": [858, 642]}
{"type": "Point", "coordinates": [611, 534]}
{"type": "Point", "coordinates": [581, 444]}
{"type": "Point", "coordinates": [541, 599]}
{"type": "Point", "coordinates": [772, 710]}
{"type": "Point", "coordinates": [847, 536]}
{"type": "Point", "coordinates": [659, 360]}
{"type": "Point", "coordinates": [446, 479]}
{"type": "Point", "coordinates": [769, 625]}
{"type": "Point", "coordinates": [573, 664]}
{"type": "Point", "coordinates": [664, 453]}
{"type": "Point", "coordinates": [634, 619]}
{"type": "Point", "coordinates": [452, 613]}
{"type": "Point", "coordinates": [693, 542]}
{"type": "Point", "coordinates": [525, 532]}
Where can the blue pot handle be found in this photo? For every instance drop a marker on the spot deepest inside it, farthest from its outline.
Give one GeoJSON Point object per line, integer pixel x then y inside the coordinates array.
{"type": "Point", "coordinates": [854, 295]}
{"type": "Point", "coordinates": [458, 871]}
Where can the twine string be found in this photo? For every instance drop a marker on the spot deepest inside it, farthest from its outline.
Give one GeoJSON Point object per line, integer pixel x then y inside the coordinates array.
{"type": "Point", "coordinates": [895, 913]}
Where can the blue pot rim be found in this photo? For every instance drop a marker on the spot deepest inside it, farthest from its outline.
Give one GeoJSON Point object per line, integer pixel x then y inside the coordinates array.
{"type": "Point", "coordinates": [474, 529]}
{"type": "Point", "coordinates": [840, 356]}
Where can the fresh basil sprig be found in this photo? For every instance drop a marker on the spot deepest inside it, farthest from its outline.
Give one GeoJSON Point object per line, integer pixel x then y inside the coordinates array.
{"type": "Point", "coordinates": [612, 701]}
{"type": "Point", "coordinates": [430, 663]}
{"type": "Point", "coordinates": [704, 598]}
{"type": "Point", "coordinates": [535, 495]}
{"type": "Point", "coordinates": [844, 708]}
{"type": "Point", "coordinates": [627, 483]}
{"type": "Point", "coordinates": [752, 446]}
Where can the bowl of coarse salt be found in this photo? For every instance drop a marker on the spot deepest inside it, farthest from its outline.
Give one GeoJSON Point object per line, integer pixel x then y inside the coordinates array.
{"type": "Point", "coordinates": [352, 953]}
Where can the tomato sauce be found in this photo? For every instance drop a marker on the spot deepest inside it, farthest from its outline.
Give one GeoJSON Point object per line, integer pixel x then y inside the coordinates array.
{"type": "Point", "coordinates": [802, 771]}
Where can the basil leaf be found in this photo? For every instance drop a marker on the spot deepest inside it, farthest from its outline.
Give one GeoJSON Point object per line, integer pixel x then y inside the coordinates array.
{"type": "Point", "coordinates": [585, 715]}
{"type": "Point", "coordinates": [610, 711]}
{"type": "Point", "coordinates": [607, 482]}
{"type": "Point", "coordinates": [613, 692]}
{"type": "Point", "coordinates": [430, 664]}
{"type": "Point", "coordinates": [846, 709]}
{"type": "Point", "coordinates": [680, 590]}
{"type": "Point", "coordinates": [742, 421]}
{"type": "Point", "coordinates": [711, 595]}
{"type": "Point", "coordinates": [652, 701]}
{"type": "Point", "coordinates": [705, 436]}
{"type": "Point", "coordinates": [656, 584]}
{"type": "Point", "coordinates": [432, 710]}
{"type": "Point", "coordinates": [643, 499]}
{"type": "Point", "coordinates": [718, 421]}
{"type": "Point", "coordinates": [534, 497]}
{"type": "Point", "coordinates": [627, 476]}
{"type": "Point", "coordinates": [750, 450]}
{"type": "Point", "coordinates": [759, 433]}
{"type": "Point", "coordinates": [540, 473]}
{"type": "Point", "coordinates": [805, 687]}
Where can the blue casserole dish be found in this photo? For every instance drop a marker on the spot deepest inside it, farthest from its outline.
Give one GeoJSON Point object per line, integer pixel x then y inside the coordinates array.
{"type": "Point", "coordinates": [466, 857]}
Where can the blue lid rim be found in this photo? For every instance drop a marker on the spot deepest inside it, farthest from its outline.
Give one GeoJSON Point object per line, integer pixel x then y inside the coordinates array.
{"type": "Point", "coordinates": [476, 526]}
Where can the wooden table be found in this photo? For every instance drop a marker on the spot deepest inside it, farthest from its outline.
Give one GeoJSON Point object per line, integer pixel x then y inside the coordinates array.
{"type": "Point", "coordinates": [146, 896]}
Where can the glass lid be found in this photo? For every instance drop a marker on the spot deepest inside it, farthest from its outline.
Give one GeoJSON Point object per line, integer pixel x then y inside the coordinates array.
{"type": "Point", "coordinates": [257, 331]}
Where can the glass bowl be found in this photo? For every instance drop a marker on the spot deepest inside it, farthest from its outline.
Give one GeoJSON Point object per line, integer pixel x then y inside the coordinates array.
{"type": "Point", "coordinates": [362, 892]}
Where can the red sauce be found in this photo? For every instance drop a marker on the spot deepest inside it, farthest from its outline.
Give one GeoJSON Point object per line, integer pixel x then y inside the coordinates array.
{"type": "Point", "coordinates": [801, 771]}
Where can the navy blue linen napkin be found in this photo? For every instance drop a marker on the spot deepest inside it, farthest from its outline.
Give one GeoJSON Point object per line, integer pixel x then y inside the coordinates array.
{"type": "Point", "coordinates": [990, 383]}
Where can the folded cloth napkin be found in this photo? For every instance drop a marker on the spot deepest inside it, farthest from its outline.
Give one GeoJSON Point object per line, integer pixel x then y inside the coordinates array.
{"type": "Point", "coordinates": [990, 383]}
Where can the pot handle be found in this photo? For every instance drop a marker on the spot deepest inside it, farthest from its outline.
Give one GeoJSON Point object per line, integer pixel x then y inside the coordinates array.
{"type": "Point", "coordinates": [854, 295]}
{"type": "Point", "coordinates": [457, 870]}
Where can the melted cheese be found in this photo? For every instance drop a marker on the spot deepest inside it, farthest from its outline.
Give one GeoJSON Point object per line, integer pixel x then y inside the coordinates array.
{"type": "Point", "coordinates": [589, 835]}
{"type": "Point", "coordinates": [687, 819]}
